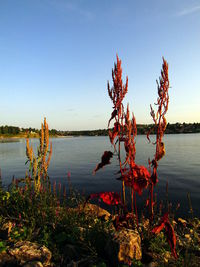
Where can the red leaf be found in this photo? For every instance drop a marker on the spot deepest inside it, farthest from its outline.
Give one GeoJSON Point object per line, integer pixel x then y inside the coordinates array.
{"type": "Point", "coordinates": [114, 113]}
{"type": "Point", "coordinates": [169, 231]}
{"type": "Point", "coordinates": [114, 133]}
{"type": "Point", "coordinates": [158, 229]}
{"type": "Point", "coordinates": [154, 176]}
{"type": "Point", "coordinates": [171, 238]}
{"type": "Point", "coordinates": [105, 160]}
{"type": "Point", "coordinates": [110, 198]}
{"type": "Point", "coordinates": [161, 225]}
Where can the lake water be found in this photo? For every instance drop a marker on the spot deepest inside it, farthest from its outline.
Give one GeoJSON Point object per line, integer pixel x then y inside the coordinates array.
{"type": "Point", "coordinates": [79, 155]}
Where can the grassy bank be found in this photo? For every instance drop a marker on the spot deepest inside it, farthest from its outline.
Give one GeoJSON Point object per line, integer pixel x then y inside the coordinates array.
{"type": "Point", "coordinates": [75, 231]}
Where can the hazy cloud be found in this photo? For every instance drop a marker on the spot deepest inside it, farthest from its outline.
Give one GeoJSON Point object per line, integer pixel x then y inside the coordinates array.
{"type": "Point", "coordinates": [70, 109]}
{"type": "Point", "coordinates": [97, 115]}
{"type": "Point", "coordinates": [72, 7]}
{"type": "Point", "coordinates": [189, 10]}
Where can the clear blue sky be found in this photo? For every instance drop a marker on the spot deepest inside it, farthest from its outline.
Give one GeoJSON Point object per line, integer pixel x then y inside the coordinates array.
{"type": "Point", "coordinates": [57, 55]}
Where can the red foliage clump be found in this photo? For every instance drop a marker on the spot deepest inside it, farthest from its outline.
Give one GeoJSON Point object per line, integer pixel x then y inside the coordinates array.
{"type": "Point", "coordinates": [110, 198]}
{"type": "Point", "coordinates": [137, 178]}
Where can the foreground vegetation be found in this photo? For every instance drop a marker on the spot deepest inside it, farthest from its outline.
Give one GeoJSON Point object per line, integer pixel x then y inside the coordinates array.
{"type": "Point", "coordinates": [76, 232]}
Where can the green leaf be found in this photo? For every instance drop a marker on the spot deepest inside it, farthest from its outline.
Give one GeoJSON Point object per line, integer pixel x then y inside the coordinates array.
{"type": "Point", "coordinates": [3, 246]}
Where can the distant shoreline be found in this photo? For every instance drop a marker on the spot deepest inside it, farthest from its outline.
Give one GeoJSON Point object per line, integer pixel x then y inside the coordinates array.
{"type": "Point", "coordinates": [142, 129]}
{"type": "Point", "coordinates": [16, 138]}
{"type": "Point", "coordinates": [25, 137]}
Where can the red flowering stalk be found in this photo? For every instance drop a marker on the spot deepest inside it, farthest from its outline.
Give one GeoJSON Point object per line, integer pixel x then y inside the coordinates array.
{"type": "Point", "coordinates": [125, 131]}
{"type": "Point", "coordinates": [169, 231]}
{"type": "Point", "coordinates": [116, 93]}
{"type": "Point", "coordinates": [160, 124]}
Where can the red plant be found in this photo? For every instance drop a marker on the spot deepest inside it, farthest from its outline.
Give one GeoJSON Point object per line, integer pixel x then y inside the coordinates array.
{"type": "Point", "coordinates": [124, 129]}
{"type": "Point", "coordinates": [124, 132]}
{"type": "Point", "coordinates": [169, 231]}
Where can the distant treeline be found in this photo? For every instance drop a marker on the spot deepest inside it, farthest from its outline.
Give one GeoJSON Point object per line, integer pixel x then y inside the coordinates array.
{"type": "Point", "coordinates": [174, 128]}
{"type": "Point", "coordinates": [9, 130]}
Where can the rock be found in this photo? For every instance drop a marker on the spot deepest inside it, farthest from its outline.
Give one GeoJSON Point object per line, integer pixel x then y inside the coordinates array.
{"type": "Point", "coordinates": [25, 251]}
{"type": "Point", "coordinates": [130, 245]}
{"type": "Point", "coordinates": [97, 211]}
{"type": "Point", "coordinates": [33, 264]}
{"type": "Point", "coordinates": [124, 247]}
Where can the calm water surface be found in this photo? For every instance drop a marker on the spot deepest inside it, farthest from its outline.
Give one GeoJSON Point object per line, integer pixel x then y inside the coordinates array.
{"type": "Point", "coordinates": [180, 167]}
